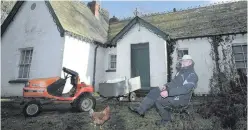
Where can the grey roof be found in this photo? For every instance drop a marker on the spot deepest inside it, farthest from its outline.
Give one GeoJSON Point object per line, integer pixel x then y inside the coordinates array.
{"type": "Point", "coordinates": [210, 20]}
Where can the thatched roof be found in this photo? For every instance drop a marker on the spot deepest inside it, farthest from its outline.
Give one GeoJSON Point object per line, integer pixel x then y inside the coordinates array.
{"type": "Point", "coordinates": [76, 17]}
{"type": "Point", "coordinates": [210, 20]}
{"type": "Point", "coordinates": [71, 16]}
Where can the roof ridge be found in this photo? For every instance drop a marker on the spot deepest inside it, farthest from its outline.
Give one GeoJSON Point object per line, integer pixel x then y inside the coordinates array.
{"type": "Point", "coordinates": [181, 10]}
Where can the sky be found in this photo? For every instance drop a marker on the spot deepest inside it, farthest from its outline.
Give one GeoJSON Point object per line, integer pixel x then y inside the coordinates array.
{"type": "Point", "coordinates": [123, 9]}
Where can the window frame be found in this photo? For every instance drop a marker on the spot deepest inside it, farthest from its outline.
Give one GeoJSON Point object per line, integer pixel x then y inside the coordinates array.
{"type": "Point", "coordinates": [22, 59]}
{"type": "Point", "coordinates": [110, 61]}
{"type": "Point", "coordinates": [243, 60]}
{"type": "Point", "coordinates": [181, 49]}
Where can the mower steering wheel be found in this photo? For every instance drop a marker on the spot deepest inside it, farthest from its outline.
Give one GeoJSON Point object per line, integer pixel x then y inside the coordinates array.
{"type": "Point", "coordinates": [67, 76]}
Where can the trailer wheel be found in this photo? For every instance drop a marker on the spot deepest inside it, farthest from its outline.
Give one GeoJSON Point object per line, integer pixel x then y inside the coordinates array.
{"type": "Point", "coordinates": [85, 103]}
{"type": "Point", "coordinates": [32, 109]}
{"type": "Point", "coordinates": [120, 98]}
{"type": "Point", "coordinates": [132, 97]}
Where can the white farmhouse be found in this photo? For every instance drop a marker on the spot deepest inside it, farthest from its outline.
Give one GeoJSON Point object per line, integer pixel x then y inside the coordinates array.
{"type": "Point", "coordinates": [39, 38]}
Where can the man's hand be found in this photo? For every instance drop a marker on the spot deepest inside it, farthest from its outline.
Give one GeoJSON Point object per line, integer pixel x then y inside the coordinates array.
{"type": "Point", "coordinates": [164, 94]}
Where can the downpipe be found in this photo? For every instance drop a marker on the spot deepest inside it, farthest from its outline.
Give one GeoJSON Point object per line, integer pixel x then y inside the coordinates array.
{"type": "Point", "coordinates": [94, 70]}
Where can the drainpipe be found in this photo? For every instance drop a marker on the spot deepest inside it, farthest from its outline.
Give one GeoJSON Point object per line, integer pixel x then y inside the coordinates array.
{"type": "Point", "coordinates": [94, 70]}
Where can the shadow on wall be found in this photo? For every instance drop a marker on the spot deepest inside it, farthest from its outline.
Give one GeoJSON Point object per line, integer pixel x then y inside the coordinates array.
{"type": "Point", "coordinates": [90, 65]}
{"type": "Point", "coordinates": [100, 75]}
{"type": "Point", "coordinates": [79, 57]}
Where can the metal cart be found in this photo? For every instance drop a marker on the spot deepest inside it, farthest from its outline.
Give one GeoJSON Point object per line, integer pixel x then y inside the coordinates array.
{"type": "Point", "coordinates": [119, 88]}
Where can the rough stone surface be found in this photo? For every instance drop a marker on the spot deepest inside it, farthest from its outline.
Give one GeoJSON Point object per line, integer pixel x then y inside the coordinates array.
{"type": "Point", "coordinates": [61, 117]}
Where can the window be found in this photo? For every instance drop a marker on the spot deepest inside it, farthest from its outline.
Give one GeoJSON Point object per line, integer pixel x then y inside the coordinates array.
{"type": "Point", "coordinates": [25, 63]}
{"type": "Point", "coordinates": [240, 57]}
{"type": "Point", "coordinates": [181, 52]}
{"type": "Point", "coordinates": [112, 65]}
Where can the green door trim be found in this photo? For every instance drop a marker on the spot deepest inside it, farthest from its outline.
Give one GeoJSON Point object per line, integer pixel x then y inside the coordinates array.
{"type": "Point", "coordinates": [146, 47]}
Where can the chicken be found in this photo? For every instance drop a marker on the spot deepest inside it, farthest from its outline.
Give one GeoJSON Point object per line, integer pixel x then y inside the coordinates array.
{"type": "Point", "coordinates": [99, 118]}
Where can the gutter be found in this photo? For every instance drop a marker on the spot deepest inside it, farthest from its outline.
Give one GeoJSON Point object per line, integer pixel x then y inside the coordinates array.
{"type": "Point", "coordinates": [94, 70]}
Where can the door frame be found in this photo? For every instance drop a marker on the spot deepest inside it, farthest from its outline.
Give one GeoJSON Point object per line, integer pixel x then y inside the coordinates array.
{"type": "Point", "coordinates": [148, 47]}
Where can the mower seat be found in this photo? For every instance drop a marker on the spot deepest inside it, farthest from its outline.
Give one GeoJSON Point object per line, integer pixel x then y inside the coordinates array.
{"type": "Point", "coordinates": [74, 81]}
{"type": "Point", "coordinates": [56, 88]}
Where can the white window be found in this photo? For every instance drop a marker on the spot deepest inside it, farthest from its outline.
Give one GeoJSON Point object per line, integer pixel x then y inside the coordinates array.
{"type": "Point", "coordinates": [25, 63]}
{"type": "Point", "coordinates": [240, 56]}
{"type": "Point", "coordinates": [112, 62]}
{"type": "Point", "coordinates": [182, 52]}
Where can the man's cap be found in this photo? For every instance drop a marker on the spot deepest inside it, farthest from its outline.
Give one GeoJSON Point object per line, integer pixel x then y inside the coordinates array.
{"type": "Point", "coordinates": [187, 57]}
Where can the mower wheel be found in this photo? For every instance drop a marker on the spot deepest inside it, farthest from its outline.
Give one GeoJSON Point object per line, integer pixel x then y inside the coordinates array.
{"type": "Point", "coordinates": [32, 109]}
{"type": "Point", "coordinates": [132, 97]}
{"type": "Point", "coordinates": [86, 102]}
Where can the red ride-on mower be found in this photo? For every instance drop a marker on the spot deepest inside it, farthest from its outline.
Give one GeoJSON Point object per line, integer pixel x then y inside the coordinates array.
{"type": "Point", "coordinates": [38, 92]}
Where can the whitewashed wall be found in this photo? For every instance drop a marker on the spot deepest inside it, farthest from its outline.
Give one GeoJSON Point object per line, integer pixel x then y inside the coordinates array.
{"type": "Point", "coordinates": [100, 67]}
{"type": "Point", "coordinates": [226, 45]}
{"type": "Point", "coordinates": [157, 50]}
{"type": "Point", "coordinates": [30, 28]}
{"type": "Point", "coordinates": [199, 49]}
{"type": "Point", "coordinates": [227, 60]}
{"type": "Point", "coordinates": [79, 56]}
{"type": "Point", "coordinates": [239, 38]}
{"type": "Point", "coordinates": [108, 52]}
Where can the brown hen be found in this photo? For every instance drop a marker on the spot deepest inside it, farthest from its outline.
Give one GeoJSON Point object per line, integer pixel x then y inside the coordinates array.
{"type": "Point", "coordinates": [99, 118]}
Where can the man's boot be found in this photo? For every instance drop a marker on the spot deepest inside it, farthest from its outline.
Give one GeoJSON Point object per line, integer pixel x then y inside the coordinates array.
{"type": "Point", "coordinates": [166, 117]}
{"type": "Point", "coordinates": [146, 104]}
{"type": "Point", "coordinates": [161, 122]}
{"type": "Point", "coordinates": [164, 113]}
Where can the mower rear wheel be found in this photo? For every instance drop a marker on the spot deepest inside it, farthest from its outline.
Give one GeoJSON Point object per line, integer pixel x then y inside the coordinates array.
{"type": "Point", "coordinates": [32, 109]}
{"type": "Point", "coordinates": [86, 103]}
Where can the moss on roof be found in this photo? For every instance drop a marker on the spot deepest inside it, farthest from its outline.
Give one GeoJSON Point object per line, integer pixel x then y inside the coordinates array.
{"type": "Point", "coordinates": [210, 20]}
{"type": "Point", "coordinates": [77, 18]}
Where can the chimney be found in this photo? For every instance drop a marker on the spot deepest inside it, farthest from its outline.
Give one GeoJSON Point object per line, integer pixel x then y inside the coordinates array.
{"type": "Point", "coordinates": [174, 10]}
{"type": "Point", "coordinates": [113, 20]}
{"type": "Point", "coordinates": [94, 7]}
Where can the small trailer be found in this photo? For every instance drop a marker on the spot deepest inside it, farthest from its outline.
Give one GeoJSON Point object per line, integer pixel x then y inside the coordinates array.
{"type": "Point", "coordinates": [119, 88]}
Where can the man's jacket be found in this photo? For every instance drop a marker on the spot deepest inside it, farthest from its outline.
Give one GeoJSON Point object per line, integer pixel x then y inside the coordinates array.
{"type": "Point", "coordinates": [183, 84]}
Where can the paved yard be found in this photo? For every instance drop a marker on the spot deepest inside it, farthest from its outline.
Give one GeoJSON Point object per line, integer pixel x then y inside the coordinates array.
{"type": "Point", "coordinates": [61, 117]}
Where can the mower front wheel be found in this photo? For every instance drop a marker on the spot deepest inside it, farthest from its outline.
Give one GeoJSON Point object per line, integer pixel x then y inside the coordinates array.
{"type": "Point", "coordinates": [32, 109]}
{"type": "Point", "coordinates": [85, 103]}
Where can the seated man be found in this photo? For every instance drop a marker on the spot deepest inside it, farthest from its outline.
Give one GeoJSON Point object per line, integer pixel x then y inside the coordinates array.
{"type": "Point", "coordinates": [175, 93]}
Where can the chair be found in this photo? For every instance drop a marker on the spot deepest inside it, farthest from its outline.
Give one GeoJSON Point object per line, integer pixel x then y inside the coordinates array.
{"type": "Point", "coordinates": [182, 111]}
